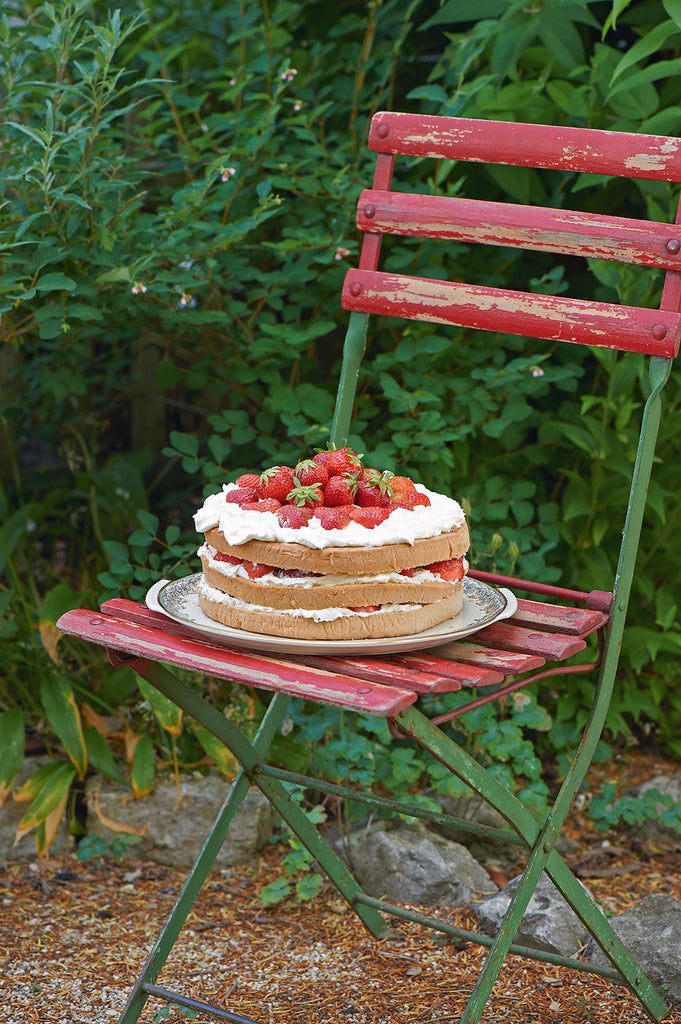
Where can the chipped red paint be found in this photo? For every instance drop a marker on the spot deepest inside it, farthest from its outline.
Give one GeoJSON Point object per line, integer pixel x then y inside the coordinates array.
{"type": "Point", "coordinates": [528, 145]}
{"type": "Point", "coordinates": [601, 324]}
{"type": "Point", "coordinates": [575, 233]}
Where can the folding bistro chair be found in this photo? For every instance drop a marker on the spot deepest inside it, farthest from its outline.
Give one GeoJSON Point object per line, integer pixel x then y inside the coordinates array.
{"type": "Point", "coordinates": [542, 637]}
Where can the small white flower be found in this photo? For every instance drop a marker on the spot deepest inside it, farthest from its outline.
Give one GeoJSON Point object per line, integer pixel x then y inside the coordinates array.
{"type": "Point", "coordinates": [228, 172]}
{"type": "Point", "coordinates": [288, 74]}
{"type": "Point", "coordinates": [138, 288]}
{"type": "Point", "coordinates": [297, 107]}
{"type": "Point", "coordinates": [341, 252]}
{"type": "Point", "coordinates": [537, 371]}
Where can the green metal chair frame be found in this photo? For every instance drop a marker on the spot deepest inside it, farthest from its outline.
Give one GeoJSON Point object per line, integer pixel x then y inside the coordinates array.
{"type": "Point", "coordinates": [390, 688]}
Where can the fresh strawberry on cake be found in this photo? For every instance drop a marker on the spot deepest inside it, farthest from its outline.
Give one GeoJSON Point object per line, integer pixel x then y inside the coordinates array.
{"type": "Point", "coordinates": [331, 550]}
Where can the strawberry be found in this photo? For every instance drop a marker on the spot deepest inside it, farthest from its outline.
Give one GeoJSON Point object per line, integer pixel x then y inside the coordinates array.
{"type": "Point", "coordinates": [450, 569]}
{"type": "Point", "coordinates": [257, 569]}
{"type": "Point", "coordinates": [293, 516]}
{"type": "Point", "coordinates": [248, 480]}
{"type": "Point", "coordinates": [402, 485]}
{"type": "Point", "coordinates": [306, 496]}
{"type": "Point", "coordinates": [407, 572]}
{"type": "Point", "coordinates": [373, 489]}
{"type": "Point", "coordinates": [264, 505]}
{"type": "Point", "coordinates": [220, 556]}
{"type": "Point", "coordinates": [408, 499]}
{"type": "Point", "coordinates": [370, 516]}
{"type": "Point", "coordinates": [311, 472]}
{"type": "Point", "coordinates": [366, 608]}
{"type": "Point", "coordinates": [276, 482]}
{"type": "Point", "coordinates": [340, 490]}
{"type": "Point", "coordinates": [335, 518]}
{"type": "Point", "coordinates": [240, 495]}
{"type": "Point", "coordinates": [293, 574]}
{"type": "Point", "coordinates": [343, 460]}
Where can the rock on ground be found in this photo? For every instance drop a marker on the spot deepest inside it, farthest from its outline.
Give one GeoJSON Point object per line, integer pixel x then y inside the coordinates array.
{"type": "Point", "coordinates": [414, 865]}
{"type": "Point", "coordinates": [651, 931]}
{"type": "Point", "coordinates": [548, 924]}
{"type": "Point", "coordinates": [177, 823]}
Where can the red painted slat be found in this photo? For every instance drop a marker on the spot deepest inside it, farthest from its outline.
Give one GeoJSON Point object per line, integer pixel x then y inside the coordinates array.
{"type": "Point", "coordinates": [531, 227]}
{"type": "Point", "coordinates": [509, 663]}
{"type": "Point", "coordinates": [601, 324]}
{"type": "Point", "coordinates": [527, 145]}
{"type": "Point", "coordinates": [573, 621]}
{"type": "Point", "coordinates": [464, 674]}
{"type": "Point", "coordinates": [383, 671]}
{"type": "Point", "coordinates": [227, 663]}
{"type": "Point", "coordinates": [552, 646]}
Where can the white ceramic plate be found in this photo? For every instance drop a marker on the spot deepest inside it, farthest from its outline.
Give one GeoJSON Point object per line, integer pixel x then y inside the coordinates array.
{"type": "Point", "coordinates": [482, 605]}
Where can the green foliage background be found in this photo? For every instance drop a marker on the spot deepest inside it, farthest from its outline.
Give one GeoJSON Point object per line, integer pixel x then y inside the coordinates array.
{"type": "Point", "coordinates": [179, 185]}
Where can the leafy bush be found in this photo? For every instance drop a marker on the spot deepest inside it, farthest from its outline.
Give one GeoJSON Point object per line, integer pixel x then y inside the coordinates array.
{"type": "Point", "coordinates": [177, 222]}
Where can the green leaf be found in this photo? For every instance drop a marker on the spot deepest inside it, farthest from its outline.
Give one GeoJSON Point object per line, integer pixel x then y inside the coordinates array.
{"type": "Point", "coordinates": [275, 892]}
{"type": "Point", "coordinates": [652, 42]}
{"type": "Point", "coordinates": [100, 756]}
{"type": "Point", "coordinates": [186, 444]}
{"type": "Point", "coordinates": [166, 713]}
{"type": "Point", "coordinates": [55, 282]}
{"type": "Point", "coordinates": [64, 717]}
{"type": "Point", "coordinates": [143, 767]}
{"type": "Point", "coordinates": [149, 521]}
{"type": "Point", "coordinates": [50, 789]}
{"type": "Point", "coordinates": [11, 748]}
{"type": "Point", "coordinates": [308, 886]}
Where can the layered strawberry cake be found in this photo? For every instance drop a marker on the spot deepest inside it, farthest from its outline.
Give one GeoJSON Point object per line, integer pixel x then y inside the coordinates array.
{"type": "Point", "coordinates": [331, 550]}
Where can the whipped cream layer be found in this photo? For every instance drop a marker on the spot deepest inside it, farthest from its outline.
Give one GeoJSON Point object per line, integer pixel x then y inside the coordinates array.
{"type": "Point", "coordinates": [403, 526]}
{"type": "Point", "coordinates": [230, 570]}
{"type": "Point", "coordinates": [317, 614]}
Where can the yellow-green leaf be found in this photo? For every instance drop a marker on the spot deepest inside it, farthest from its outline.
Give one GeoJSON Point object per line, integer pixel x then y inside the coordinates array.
{"type": "Point", "coordinates": [55, 786]}
{"type": "Point", "coordinates": [11, 748]}
{"type": "Point", "coordinates": [142, 776]}
{"type": "Point", "coordinates": [62, 711]}
{"type": "Point", "coordinates": [166, 713]}
{"type": "Point", "coordinates": [217, 751]}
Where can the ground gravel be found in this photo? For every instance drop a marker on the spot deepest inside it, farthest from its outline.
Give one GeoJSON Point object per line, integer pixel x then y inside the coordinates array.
{"type": "Point", "coordinates": [73, 938]}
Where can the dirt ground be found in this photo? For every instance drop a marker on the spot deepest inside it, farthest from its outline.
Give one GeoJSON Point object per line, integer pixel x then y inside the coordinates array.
{"type": "Point", "coordinates": [73, 938]}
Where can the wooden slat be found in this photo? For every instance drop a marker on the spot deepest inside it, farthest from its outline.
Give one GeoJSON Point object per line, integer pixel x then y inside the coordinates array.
{"type": "Point", "coordinates": [527, 145]}
{"type": "Point", "coordinates": [601, 324]}
{"type": "Point", "coordinates": [387, 672]}
{"type": "Point", "coordinates": [226, 663]}
{"type": "Point", "coordinates": [552, 646]}
{"type": "Point", "coordinates": [459, 672]}
{"type": "Point", "coordinates": [557, 618]}
{"type": "Point", "coordinates": [530, 227]}
{"type": "Point", "coordinates": [509, 663]}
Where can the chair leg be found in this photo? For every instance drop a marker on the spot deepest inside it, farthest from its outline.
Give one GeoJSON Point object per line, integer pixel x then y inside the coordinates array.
{"type": "Point", "coordinates": [541, 842]}
{"type": "Point", "coordinates": [201, 868]}
{"type": "Point", "coordinates": [247, 755]}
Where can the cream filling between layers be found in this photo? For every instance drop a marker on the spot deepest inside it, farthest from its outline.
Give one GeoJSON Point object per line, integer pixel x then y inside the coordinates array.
{"type": "Point", "coordinates": [317, 614]}
{"type": "Point", "coordinates": [403, 526]}
{"type": "Point", "coordinates": [231, 571]}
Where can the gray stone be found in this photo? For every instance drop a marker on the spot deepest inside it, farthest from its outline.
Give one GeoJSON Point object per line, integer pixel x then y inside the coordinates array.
{"type": "Point", "coordinates": [12, 812]}
{"type": "Point", "coordinates": [177, 824]}
{"type": "Point", "coordinates": [651, 931]}
{"type": "Point", "coordinates": [548, 924]}
{"type": "Point", "coordinates": [414, 865]}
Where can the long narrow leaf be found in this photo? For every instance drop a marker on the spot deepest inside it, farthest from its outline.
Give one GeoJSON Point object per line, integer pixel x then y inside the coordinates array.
{"type": "Point", "coordinates": [143, 767]}
{"type": "Point", "coordinates": [50, 795]}
{"type": "Point", "coordinates": [167, 714]}
{"type": "Point", "coordinates": [64, 717]}
{"type": "Point", "coordinates": [11, 748]}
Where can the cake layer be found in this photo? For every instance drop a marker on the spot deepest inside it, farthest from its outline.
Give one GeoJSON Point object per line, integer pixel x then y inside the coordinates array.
{"type": "Point", "coordinates": [353, 560]}
{"type": "Point", "coordinates": [391, 620]}
{"type": "Point", "coordinates": [345, 595]}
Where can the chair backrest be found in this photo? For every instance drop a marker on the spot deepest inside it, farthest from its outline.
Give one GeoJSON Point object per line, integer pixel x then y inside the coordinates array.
{"type": "Point", "coordinates": [383, 211]}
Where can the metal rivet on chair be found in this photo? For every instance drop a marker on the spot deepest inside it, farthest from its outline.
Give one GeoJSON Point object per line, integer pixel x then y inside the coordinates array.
{"type": "Point", "coordinates": [659, 332]}
{"type": "Point", "coordinates": [355, 289]}
{"type": "Point", "coordinates": [369, 210]}
{"type": "Point", "coordinates": [673, 246]}
{"type": "Point", "coordinates": [382, 131]}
